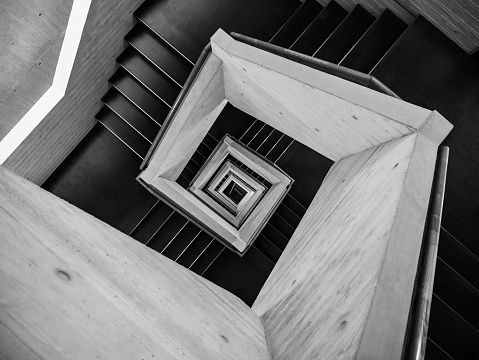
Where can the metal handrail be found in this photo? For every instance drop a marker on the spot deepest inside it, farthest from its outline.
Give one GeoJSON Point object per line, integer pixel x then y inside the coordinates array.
{"type": "Point", "coordinates": [325, 66]}
{"type": "Point", "coordinates": [420, 317]}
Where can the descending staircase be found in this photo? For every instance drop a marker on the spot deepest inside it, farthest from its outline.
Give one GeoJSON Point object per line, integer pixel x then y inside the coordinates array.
{"type": "Point", "coordinates": [99, 176]}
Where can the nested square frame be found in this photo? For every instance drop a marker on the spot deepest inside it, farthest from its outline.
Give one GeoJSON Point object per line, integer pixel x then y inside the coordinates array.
{"type": "Point", "coordinates": [330, 115]}
{"type": "Point", "coordinates": [271, 197]}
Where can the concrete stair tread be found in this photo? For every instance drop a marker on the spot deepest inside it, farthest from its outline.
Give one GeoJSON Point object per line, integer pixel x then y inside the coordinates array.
{"type": "Point", "coordinates": [320, 29]}
{"type": "Point", "coordinates": [457, 293]}
{"type": "Point", "coordinates": [159, 53]}
{"type": "Point", "coordinates": [259, 19]}
{"type": "Point", "coordinates": [124, 131]}
{"type": "Point", "coordinates": [458, 338]}
{"type": "Point", "coordinates": [149, 75]}
{"type": "Point", "coordinates": [375, 42]}
{"type": "Point", "coordinates": [345, 35]}
{"type": "Point", "coordinates": [295, 25]}
{"type": "Point", "coordinates": [152, 221]}
{"type": "Point", "coordinates": [131, 114]}
{"type": "Point", "coordinates": [139, 95]}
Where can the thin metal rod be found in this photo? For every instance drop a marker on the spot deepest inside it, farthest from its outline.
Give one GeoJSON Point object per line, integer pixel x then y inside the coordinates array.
{"type": "Point", "coordinates": [420, 322]}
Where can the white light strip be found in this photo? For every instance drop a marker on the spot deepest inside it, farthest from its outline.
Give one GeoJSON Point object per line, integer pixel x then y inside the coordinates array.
{"type": "Point", "coordinates": [55, 93]}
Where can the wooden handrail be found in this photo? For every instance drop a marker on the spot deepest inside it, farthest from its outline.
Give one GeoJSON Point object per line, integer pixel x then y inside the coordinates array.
{"type": "Point", "coordinates": [178, 102]}
{"type": "Point", "coordinates": [325, 66]}
{"type": "Point", "coordinates": [422, 303]}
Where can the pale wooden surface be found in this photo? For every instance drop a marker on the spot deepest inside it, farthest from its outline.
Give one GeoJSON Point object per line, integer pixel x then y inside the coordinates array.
{"type": "Point", "coordinates": [102, 41]}
{"type": "Point", "coordinates": [321, 300]}
{"type": "Point", "coordinates": [32, 35]}
{"type": "Point", "coordinates": [330, 115]}
{"type": "Point", "coordinates": [72, 287]}
{"type": "Point", "coordinates": [385, 328]}
{"type": "Point", "coordinates": [458, 19]}
{"type": "Point", "coordinates": [198, 112]}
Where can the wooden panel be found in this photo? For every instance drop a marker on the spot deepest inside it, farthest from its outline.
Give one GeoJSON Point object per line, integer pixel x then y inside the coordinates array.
{"type": "Point", "coordinates": [458, 19]}
{"type": "Point", "coordinates": [330, 115]}
{"type": "Point", "coordinates": [32, 34]}
{"type": "Point", "coordinates": [73, 287]}
{"type": "Point", "coordinates": [102, 41]}
{"type": "Point", "coordinates": [316, 301]}
{"type": "Point", "coordinates": [185, 132]}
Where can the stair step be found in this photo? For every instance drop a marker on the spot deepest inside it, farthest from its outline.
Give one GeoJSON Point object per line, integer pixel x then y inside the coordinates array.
{"type": "Point", "coordinates": [294, 206]}
{"type": "Point", "coordinates": [451, 333]}
{"type": "Point", "coordinates": [153, 221]}
{"type": "Point", "coordinates": [139, 95]}
{"type": "Point", "coordinates": [268, 248]}
{"type": "Point", "coordinates": [270, 142]}
{"type": "Point", "coordinates": [320, 29]}
{"type": "Point", "coordinates": [286, 213]}
{"type": "Point", "coordinates": [282, 225]}
{"type": "Point", "coordinates": [275, 236]}
{"type": "Point", "coordinates": [123, 131]}
{"type": "Point", "coordinates": [181, 241]}
{"type": "Point", "coordinates": [167, 232]}
{"type": "Point", "coordinates": [435, 352]}
{"type": "Point", "coordinates": [190, 24]}
{"type": "Point", "coordinates": [375, 42]}
{"type": "Point", "coordinates": [297, 23]}
{"type": "Point", "coordinates": [460, 295]}
{"type": "Point", "coordinates": [260, 137]}
{"type": "Point", "coordinates": [149, 75]}
{"type": "Point", "coordinates": [159, 53]}
{"type": "Point", "coordinates": [206, 258]}
{"type": "Point", "coordinates": [308, 168]}
{"type": "Point", "coordinates": [99, 177]}
{"type": "Point", "coordinates": [231, 121]}
{"type": "Point", "coordinates": [125, 109]}
{"type": "Point", "coordinates": [428, 69]}
{"type": "Point", "coordinates": [345, 35]}
{"type": "Point", "coordinates": [459, 258]}
{"type": "Point", "coordinates": [245, 275]}
{"type": "Point", "coordinates": [275, 153]}
{"type": "Point", "coordinates": [251, 132]}
{"type": "Point", "coordinates": [194, 250]}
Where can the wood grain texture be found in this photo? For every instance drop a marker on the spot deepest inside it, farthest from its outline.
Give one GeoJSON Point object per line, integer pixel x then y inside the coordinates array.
{"type": "Point", "coordinates": [330, 115]}
{"type": "Point", "coordinates": [184, 133]}
{"type": "Point", "coordinates": [458, 19]}
{"type": "Point", "coordinates": [385, 328]}
{"type": "Point", "coordinates": [320, 301]}
{"type": "Point", "coordinates": [32, 34]}
{"type": "Point", "coordinates": [51, 142]}
{"type": "Point", "coordinates": [73, 287]}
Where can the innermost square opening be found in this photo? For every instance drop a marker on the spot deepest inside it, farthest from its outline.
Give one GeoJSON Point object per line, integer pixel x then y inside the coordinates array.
{"type": "Point", "coordinates": [234, 191]}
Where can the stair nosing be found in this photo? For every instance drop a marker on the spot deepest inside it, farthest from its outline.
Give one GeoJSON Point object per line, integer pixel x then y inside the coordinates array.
{"type": "Point", "coordinates": [468, 324]}
{"type": "Point", "coordinates": [134, 103]}
{"type": "Point", "coordinates": [144, 217]}
{"type": "Point", "coordinates": [212, 261]}
{"type": "Point", "coordinates": [165, 41]}
{"type": "Point", "coordinates": [119, 138]}
{"type": "Point", "coordinates": [186, 248]}
{"type": "Point", "coordinates": [127, 122]}
{"type": "Point", "coordinates": [389, 50]}
{"type": "Point", "coordinates": [336, 29]}
{"type": "Point", "coordinates": [174, 237]}
{"type": "Point", "coordinates": [201, 253]}
{"type": "Point", "coordinates": [473, 288]}
{"type": "Point", "coordinates": [163, 223]}
{"type": "Point", "coordinates": [144, 85]}
{"type": "Point", "coordinates": [154, 64]}
{"type": "Point", "coordinates": [286, 22]}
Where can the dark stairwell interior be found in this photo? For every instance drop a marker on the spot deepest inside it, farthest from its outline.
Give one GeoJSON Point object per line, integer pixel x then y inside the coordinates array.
{"type": "Point", "coordinates": [417, 62]}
